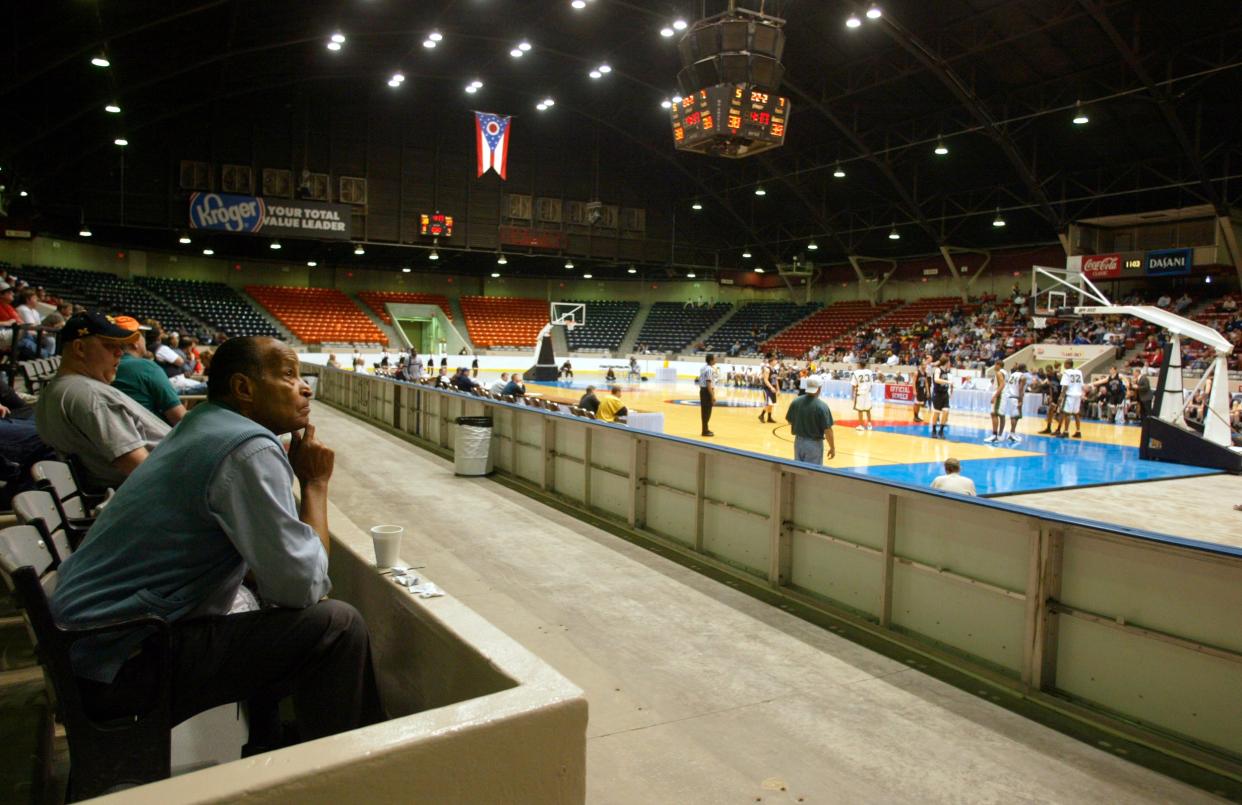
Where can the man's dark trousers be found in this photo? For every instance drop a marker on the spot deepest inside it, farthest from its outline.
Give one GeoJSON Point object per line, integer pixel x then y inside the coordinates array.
{"type": "Point", "coordinates": [705, 407]}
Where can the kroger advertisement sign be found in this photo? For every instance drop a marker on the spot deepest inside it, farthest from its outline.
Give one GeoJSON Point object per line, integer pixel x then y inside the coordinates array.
{"type": "Point", "coordinates": [251, 215]}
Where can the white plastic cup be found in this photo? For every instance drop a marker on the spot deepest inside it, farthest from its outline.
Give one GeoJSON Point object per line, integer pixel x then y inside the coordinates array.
{"type": "Point", "coordinates": [387, 540]}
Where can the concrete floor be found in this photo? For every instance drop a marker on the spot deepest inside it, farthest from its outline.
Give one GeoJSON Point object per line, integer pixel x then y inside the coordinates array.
{"type": "Point", "coordinates": [1198, 508]}
{"type": "Point", "coordinates": [699, 693]}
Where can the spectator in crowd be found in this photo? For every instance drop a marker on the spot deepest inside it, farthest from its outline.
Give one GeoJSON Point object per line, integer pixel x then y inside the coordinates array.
{"type": "Point", "coordinates": [610, 376]}
{"type": "Point", "coordinates": [892, 359]}
{"type": "Point", "coordinates": [515, 387]}
{"type": "Point", "coordinates": [141, 379]}
{"type": "Point", "coordinates": [416, 366]}
{"type": "Point", "coordinates": [8, 316]}
{"type": "Point", "coordinates": [474, 367]}
{"type": "Point", "coordinates": [17, 407]}
{"type": "Point", "coordinates": [589, 401]}
{"type": "Point", "coordinates": [33, 342]}
{"type": "Point", "coordinates": [462, 380]}
{"type": "Point", "coordinates": [636, 374]}
{"type": "Point", "coordinates": [567, 371]}
{"type": "Point", "coordinates": [1183, 303]}
{"type": "Point", "coordinates": [359, 363]}
{"type": "Point", "coordinates": [20, 446]}
{"type": "Point", "coordinates": [707, 392]}
{"type": "Point", "coordinates": [499, 386]}
{"type": "Point", "coordinates": [80, 413]}
{"type": "Point", "coordinates": [332, 361]}
{"type": "Point", "coordinates": [169, 358]}
{"type": "Point", "coordinates": [1165, 300]}
{"type": "Point", "coordinates": [611, 408]}
{"type": "Point", "coordinates": [158, 551]}
{"type": "Point", "coordinates": [953, 480]}
{"type": "Point", "coordinates": [810, 420]}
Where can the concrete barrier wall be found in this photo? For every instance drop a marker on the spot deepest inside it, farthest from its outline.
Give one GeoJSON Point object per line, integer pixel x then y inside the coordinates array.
{"type": "Point", "coordinates": [477, 719]}
{"type": "Point", "coordinates": [1133, 631]}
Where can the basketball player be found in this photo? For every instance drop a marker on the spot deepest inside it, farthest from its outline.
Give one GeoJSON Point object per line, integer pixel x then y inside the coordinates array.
{"type": "Point", "coordinates": [1015, 393]}
{"type": "Point", "coordinates": [942, 384]}
{"type": "Point", "coordinates": [861, 382]}
{"type": "Point", "coordinates": [1051, 387]}
{"type": "Point", "coordinates": [922, 390]}
{"type": "Point", "coordinates": [767, 379]}
{"type": "Point", "coordinates": [1071, 400]}
{"type": "Point", "coordinates": [998, 396]}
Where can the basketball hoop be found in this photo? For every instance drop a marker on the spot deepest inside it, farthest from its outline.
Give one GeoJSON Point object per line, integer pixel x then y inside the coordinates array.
{"type": "Point", "coordinates": [570, 324]}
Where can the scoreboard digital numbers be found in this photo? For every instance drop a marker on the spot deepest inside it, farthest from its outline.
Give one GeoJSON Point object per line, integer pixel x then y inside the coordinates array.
{"type": "Point", "coordinates": [436, 225]}
{"type": "Point", "coordinates": [732, 120]}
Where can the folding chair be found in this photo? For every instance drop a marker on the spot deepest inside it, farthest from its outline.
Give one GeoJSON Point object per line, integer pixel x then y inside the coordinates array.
{"type": "Point", "coordinates": [104, 756]}
{"type": "Point", "coordinates": [38, 509]}
{"type": "Point", "coordinates": [55, 478]}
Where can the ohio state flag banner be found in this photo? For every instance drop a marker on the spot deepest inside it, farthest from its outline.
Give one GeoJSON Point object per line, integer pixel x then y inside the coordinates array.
{"type": "Point", "coordinates": [492, 139]}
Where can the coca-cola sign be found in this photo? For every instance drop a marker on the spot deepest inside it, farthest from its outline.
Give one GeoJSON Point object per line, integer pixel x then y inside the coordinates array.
{"type": "Point", "coordinates": [1101, 266]}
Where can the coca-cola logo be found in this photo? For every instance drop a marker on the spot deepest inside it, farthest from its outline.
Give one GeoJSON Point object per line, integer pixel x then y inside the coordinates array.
{"type": "Point", "coordinates": [1102, 265]}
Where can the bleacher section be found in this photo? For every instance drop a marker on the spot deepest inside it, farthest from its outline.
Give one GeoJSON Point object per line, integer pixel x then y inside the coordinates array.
{"type": "Point", "coordinates": [318, 315]}
{"type": "Point", "coordinates": [825, 326]}
{"type": "Point", "coordinates": [213, 302]}
{"type": "Point", "coordinates": [672, 326]}
{"type": "Point", "coordinates": [109, 293]}
{"type": "Point", "coordinates": [377, 299]}
{"type": "Point", "coordinates": [605, 328]}
{"type": "Point", "coordinates": [755, 323]}
{"type": "Point", "coordinates": [503, 321]}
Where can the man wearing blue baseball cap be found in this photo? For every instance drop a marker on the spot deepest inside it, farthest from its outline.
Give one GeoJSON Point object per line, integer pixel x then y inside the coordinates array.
{"type": "Point", "coordinates": [80, 413]}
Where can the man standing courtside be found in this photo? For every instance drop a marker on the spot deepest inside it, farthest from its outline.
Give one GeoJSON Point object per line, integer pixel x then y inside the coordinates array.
{"type": "Point", "coordinates": [811, 422]}
{"type": "Point", "coordinates": [707, 392]}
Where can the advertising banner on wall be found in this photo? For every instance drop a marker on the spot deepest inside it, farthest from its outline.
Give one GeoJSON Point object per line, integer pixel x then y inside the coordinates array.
{"type": "Point", "coordinates": [1169, 262]}
{"type": "Point", "coordinates": [1101, 266]}
{"type": "Point", "coordinates": [285, 218]}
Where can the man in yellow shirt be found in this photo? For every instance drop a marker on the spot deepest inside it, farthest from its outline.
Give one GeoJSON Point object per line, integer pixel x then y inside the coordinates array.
{"type": "Point", "coordinates": [611, 406]}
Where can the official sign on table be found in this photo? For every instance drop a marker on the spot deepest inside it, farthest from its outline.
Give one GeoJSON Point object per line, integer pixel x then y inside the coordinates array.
{"type": "Point", "coordinates": [252, 215]}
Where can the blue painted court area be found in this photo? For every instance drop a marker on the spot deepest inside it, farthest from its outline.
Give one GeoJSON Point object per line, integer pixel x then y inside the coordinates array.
{"type": "Point", "coordinates": [1058, 464]}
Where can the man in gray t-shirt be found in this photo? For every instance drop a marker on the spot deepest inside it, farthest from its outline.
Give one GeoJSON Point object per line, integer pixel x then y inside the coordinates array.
{"type": "Point", "coordinates": [79, 413]}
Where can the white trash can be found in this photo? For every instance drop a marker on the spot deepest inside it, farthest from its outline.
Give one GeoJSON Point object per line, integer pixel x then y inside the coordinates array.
{"type": "Point", "coordinates": [472, 447]}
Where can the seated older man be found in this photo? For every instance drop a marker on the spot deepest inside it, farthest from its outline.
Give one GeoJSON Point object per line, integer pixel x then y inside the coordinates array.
{"type": "Point", "coordinates": [80, 413]}
{"type": "Point", "coordinates": [139, 377]}
{"type": "Point", "coordinates": [214, 502]}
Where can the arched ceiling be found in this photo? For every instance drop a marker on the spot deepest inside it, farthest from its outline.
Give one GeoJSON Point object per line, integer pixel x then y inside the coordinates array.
{"type": "Point", "coordinates": [997, 81]}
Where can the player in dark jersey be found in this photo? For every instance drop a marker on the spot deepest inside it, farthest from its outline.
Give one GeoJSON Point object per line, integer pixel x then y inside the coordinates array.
{"type": "Point", "coordinates": [942, 385]}
{"type": "Point", "coordinates": [768, 380]}
{"type": "Point", "coordinates": [1051, 387]}
{"type": "Point", "coordinates": [922, 390]}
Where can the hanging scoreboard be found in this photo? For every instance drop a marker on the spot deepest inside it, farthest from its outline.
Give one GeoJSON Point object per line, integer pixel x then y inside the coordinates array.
{"type": "Point", "coordinates": [731, 120]}
{"type": "Point", "coordinates": [436, 225]}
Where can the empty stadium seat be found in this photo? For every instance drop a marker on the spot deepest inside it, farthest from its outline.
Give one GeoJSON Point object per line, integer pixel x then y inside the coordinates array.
{"type": "Point", "coordinates": [828, 324]}
{"type": "Point", "coordinates": [755, 323]}
{"type": "Point", "coordinates": [213, 302]}
{"type": "Point", "coordinates": [606, 325]}
{"type": "Point", "coordinates": [672, 326]}
{"type": "Point", "coordinates": [503, 321]}
{"type": "Point", "coordinates": [376, 300]}
{"type": "Point", "coordinates": [98, 290]}
{"type": "Point", "coordinates": [318, 315]}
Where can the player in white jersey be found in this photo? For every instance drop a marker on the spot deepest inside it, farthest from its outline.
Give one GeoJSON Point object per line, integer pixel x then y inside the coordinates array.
{"type": "Point", "coordinates": [1071, 400]}
{"type": "Point", "coordinates": [1015, 393]}
{"type": "Point", "coordinates": [998, 385]}
{"type": "Point", "coordinates": [861, 382]}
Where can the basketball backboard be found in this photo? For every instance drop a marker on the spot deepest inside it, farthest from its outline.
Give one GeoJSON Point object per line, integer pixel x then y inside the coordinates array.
{"type": "Point", "coordinates": [570, 314]}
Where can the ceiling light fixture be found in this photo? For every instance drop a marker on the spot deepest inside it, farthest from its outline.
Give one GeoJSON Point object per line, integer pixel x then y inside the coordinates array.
{"type": "Point", "coordinates": [941, 149]}
{"type": "Point", "coordinates": [677, 99]}
{"type": "Point", "coordinates": [495, 274]}
{"type": "Point", "coordinates": [758, 269]}
{"type": "Point", "coordinates": [759, 191]}
{"type": "Point", "coordinates": [1080, 115]}
{"type": "Point", "coordinates": [312, 263]}
{"type": "Point", "coordinates": [587, 276]}
{"type": "Point", "coordinates": [333, 46]}
{"type": "Point", "coordinates": [679, 24]}
{"type": "Point", "coordinates": [894, 234]}
{"type": "Point", "coordinates": [112, 109]}
{"type": "Point", "coordinates": [502, 260]}
{"type": "Point", "coordinates": [812, 246]}
{"type": "Point", "coordinates": [23, 194]}
{"type": "Point", "coordinates": [184, 240]}
{"type": "Point", "coordinates": [838, 172]}
{"type": "Point", "coordinates": [274, 245]}
{"type": "Point", "coordinates": [666, 104]}
{"type": "Point", "coordinates": [691, 275]}
{"type": "Point", "coordinates": [406, 270]}
{"type": "Point", "coordinates": [541, 106]}
{"type": "Point", "coordinates": [430, 44]}
{"type": "Point", "coordinates": [697, 205]}
{"type": "Point", "coordinates": [358, 250]}
{"type": "Point", "coordinates": [874, 12]}
{"type": "Point", "coordinates": [471, 89]}
{"type": "Point", "coordinates": [120, 141]}
{"type": "Point", "coordinates": [208, 252]}
{"type": "Point", "coordinates": [549, 102]}
{"type": "Point", "coordinates": [435, 36]}
{"type": "Point", "coordinates": [666, 32]}
{"type": "Point", "coordinates": [524, 46]}
{"type": "Point", "coordinates": [435, 255]}
{"type": "Point", "coordinates": [101, 61]}
{"type": "Point", "coordinates": [853, 21]}
{"type": "Point", "coordinates": [85, 231]}
{"type": "Point", "coordinates": [595, 74]}
{"type": "Point", "coordinates": [578, 4]}
{"type": "Point", "coordinates": [998, 221]}
{"type": "Point", "coordinates": [569, 264]}
{"type": "Point", "coordinates": [604, 68]}
{"type": "Point", "coordinates": [631, 270]}
{"type": "Point", "coordinates": [746, 254]}
{"type": "Point", "coordinates": [338, 38]}
{"type": "Point", "coordinates": [517, 53]}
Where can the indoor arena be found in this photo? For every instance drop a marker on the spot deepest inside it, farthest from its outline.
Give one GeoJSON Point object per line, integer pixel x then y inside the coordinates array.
{"type": "Point", "coordinates": [587, 401]}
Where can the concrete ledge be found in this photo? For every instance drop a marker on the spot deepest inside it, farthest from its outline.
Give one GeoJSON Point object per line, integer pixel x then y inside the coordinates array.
{"type": "Point", "coordinates": [477, 718]}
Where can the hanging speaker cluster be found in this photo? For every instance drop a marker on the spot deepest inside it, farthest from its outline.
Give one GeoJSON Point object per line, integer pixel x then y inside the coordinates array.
{"type": "Point", "coordinates": [731, 71]}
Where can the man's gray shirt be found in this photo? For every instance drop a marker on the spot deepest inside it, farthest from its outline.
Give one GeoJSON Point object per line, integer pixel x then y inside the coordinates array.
{"type": "Point", "coordinates": [78, 415]}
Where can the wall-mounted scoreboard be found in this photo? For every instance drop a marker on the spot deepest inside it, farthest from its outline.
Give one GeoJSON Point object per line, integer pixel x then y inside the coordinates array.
{"type": "Point", "coordinates": [435, 225]}
{"type": "Point", "coordinates": [731, 120]}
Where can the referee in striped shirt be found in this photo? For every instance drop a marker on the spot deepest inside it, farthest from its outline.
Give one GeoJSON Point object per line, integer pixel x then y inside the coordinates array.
{"type": "Point", "coordinates": [707, 391]}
